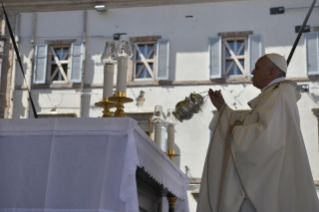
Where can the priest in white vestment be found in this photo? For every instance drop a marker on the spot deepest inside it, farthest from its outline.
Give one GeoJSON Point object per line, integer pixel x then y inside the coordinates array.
{"type": "Point", "coordinates": [257, 162]}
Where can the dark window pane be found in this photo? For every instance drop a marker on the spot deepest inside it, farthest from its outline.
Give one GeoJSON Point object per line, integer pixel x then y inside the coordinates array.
{"type": "Point", "coordinates": [232, 71]}
{"type": "Point", "coordinates": [65, 50]}
{"type": "Point", "coordinates": [149, 48]}
{"type": "Point", "coordinates": [142, 74]}
{"type": "Point", "coordinates": [53, 68]}
{"type": "Point", "coordinates": [242, 52]}
{"type": "Point", "coordinates": [239, 43]}
{"type": "Point", "coordinates": [227, 53]}
{"type": "Point", "coordinates": [231, 44]}
{"type": "Point", "coordinates": [138, 67]}
{"type": "Point", "coordinates": [239, 71]}
{"type": "Point", "coordinates": [65, 68]}
{"type": "Point", "coordinates": [152, 56]}
{"type": "Point", "coordinates": [148, 74]}
{"type": "Point", "coordinates": [242, 62]}
{"type": "Point", "coordinates": [142, 49]}
{"type": "Point", "coordinates": [228, 63]}
{"type": "Point", "coordinates": [58, 53]}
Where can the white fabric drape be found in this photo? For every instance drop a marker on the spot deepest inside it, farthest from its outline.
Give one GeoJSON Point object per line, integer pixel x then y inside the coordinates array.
{"type": "Point", "coordinates": [85, 165]}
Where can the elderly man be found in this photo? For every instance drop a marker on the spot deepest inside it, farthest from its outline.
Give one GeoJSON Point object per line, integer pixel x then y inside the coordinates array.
{"type": "Point", "coordinates": [257, 162]}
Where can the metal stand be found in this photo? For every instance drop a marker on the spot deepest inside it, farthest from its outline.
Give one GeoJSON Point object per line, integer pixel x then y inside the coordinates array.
{"type": "Point", "coordinates": [120, 99]}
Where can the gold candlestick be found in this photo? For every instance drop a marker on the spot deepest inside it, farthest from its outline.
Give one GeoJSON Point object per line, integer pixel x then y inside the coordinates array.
{"type": "Point", "coordinates": [107, 105]}
{"type": "Point", "coordinates": [172, 201]}
{"type": "Point", "coordinates": [120, 99]}
{"type": "Point", "coordinates": [171, 154]}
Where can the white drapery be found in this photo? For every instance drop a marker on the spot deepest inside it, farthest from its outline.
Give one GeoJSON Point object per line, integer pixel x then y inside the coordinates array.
{"type": "Point", "coordinates": [87, 165]}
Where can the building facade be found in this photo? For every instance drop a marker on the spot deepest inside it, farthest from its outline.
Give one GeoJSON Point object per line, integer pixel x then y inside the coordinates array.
{"type": "Point", "coordinates": [178, 49]}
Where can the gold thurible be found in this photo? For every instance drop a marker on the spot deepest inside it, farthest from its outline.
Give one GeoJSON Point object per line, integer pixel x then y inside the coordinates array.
{"type": "Point", "coordinates": [106, 104]}
{"type": "Point", "coordinates": [120, 99]}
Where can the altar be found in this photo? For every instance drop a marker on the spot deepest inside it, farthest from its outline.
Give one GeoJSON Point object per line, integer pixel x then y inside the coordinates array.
{"type": "Point", "coordinates": [87, 165]}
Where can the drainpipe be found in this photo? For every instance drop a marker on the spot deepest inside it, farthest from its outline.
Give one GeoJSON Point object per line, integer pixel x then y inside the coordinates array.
{"type": "Point", "coordinates": [83, 64]}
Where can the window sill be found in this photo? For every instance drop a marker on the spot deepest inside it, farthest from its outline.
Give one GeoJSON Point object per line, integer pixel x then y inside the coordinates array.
{"type": "Point", "coordinates": [230, 80]}
{"type": "Point", "coordinates": [52, 86]}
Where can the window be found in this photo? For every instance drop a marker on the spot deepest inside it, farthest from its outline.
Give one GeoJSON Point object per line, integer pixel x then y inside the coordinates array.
{"type": "Point", "coordinates": [58, 63]}
{"type": "Point", "coordinates": [233, 54]}
{"type": "Point", "coordinates": [151, 59]}
{"type": "Point", "coordinates": [144, 61]}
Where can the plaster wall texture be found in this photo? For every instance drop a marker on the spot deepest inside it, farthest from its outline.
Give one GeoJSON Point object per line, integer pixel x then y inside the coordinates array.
{"type": "Point", "coordinates": [188, 62]}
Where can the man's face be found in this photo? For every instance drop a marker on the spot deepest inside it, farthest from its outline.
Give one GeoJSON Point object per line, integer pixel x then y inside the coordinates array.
{"type": "Point", "coordinates": [261, 73]}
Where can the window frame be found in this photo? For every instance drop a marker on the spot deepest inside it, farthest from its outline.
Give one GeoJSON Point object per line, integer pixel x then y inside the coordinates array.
{"type": "Point", "coordinates": [224, 57]}
{"type": "Point", "coordinates": [49, 62]}
{"type": "Point", "coordinates": [135, 52]}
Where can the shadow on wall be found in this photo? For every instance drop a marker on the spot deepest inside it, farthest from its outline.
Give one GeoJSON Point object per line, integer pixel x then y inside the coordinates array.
{"type": "Point", "coordinates": [95, 49]}
{"type": "Point", "coordinates": [35, 98]}
{"type": "Point", "coordinates": [314, 97]}
{"type": "Point", "coordinates": [47, 102]}
{"type": "Point", "coordinates": [86, 107]}
{"type": "Point", "coordinates": [19, 79]}
{"type": "Point", "coordinates": [92, 68]}
{"type": "Point", "coordinates": [19, 111]}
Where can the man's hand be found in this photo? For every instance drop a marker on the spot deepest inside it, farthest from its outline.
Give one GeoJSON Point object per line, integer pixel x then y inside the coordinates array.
{"type": "Point", "coordinates": [231, 128]}
{"type": "Point", "coordinates": [216, 98]}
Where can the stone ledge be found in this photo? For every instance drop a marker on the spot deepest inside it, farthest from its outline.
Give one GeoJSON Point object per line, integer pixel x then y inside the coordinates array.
{"type": "Point", "coordinates": [162, 83]}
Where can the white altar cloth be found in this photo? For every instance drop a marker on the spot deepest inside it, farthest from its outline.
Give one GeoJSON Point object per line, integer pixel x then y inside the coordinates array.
{"type": "Point", "coordinates": [85, 165]}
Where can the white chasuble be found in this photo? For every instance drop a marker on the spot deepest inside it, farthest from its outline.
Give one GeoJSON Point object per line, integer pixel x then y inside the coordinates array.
{"type": "Point", "coordinates": [264, 160]}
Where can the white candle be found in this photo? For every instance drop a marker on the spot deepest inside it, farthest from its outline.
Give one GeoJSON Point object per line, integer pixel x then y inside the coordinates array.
{"type": "Point", "coordinates": [108, 80]}
{"type": "Point", "coordinates": [158, 133]}
{"type": "Point", "coordinates": [170, 137]}
{"type": "Point", "coordinates": [121, 74]}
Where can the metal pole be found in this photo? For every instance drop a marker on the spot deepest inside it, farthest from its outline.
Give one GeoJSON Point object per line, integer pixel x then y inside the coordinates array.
{"type": "Point", "coordinates": [300, 32]}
